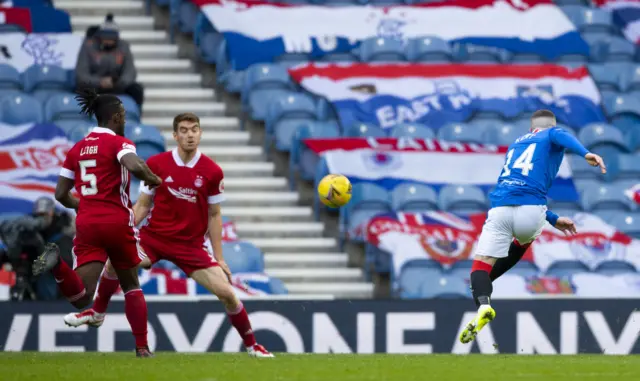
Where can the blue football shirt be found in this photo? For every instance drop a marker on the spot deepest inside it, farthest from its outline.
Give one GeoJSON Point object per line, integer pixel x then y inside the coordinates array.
{"type": "Point", "coordinates": [531, 165]}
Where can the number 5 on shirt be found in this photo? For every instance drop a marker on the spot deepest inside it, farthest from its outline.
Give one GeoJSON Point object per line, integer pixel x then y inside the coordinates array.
{"type": "Point", "coordinates": [92, 188]}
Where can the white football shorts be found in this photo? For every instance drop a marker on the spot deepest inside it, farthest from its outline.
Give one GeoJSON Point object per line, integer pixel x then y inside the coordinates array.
{"type": "Point", "coordinates": [504, 223]}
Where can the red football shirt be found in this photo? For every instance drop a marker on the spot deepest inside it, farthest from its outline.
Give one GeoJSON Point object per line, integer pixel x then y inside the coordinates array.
{"type": "Point", "coordinates": [180, 210]}
{"type": "Point", "coordinates": [100, 180]}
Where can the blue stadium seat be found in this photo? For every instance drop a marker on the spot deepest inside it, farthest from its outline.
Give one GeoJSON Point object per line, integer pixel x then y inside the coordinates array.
{"type": "Point", "coordinates": [300, 157]}
{"type": "Point", "coordinates": [605, 78]}
{"type": "Point", "coordinates": [284, 115]}
{"type": "Point", "coordinates": [630, 79]}
{"type": "Point", "coordinates": [501, 134]}
{"type": "Point", "coordinates": [594, 21]}
{"type": "Point", "coordinates": [68, 125]}
{"type": "Point", "coordinates": [382, 49]}
{"type": "Point", "coordinates": [412, 130]}
{"type": "Point", "coordinates": [291, 59]}
{"type": "Point", "coordinates": [619, 49]}
{"type": "Point", "coordinates": [598, 135]}
{"type": "Point", "coordinates": [615, 268]}
{"type": "Point", "coordinates": [606, 197]}
{"type": "Point", "coordinates": [148, 140]}
{"type": "Point", "coordinates": [463, 199]}
{"type": "Point", "coordinates": [628, 223]}
{"type": "Point", "coordinates": [325, 110]}
{"type": "Point", "coordinates": [414, 198]}
{"type": "Point", "coordinates": [478, 54]}
{"type": "Point", "coordinates": [263, 82]}
{"type": "Point", "coordinates": [132, 110]}
{"type": "Point", "coordinates": [565, 3]}
{"type": "Point", "coordinates": [62, 107]}
{"type": "Point", "coordinates": [581, 169]}
{"type": "Point", "coordinates": [9, 77]}
{"type": "Point", "coordinates": [243, 257]}
{"type": "Point", "coordinates": [360, 130]}
{"type": "Point", "coordinates": [461, 132]}
{"type": "Point", "coordinates": [446, 287]}
{"type": "Point", "coordinates": [79, 132]}
{"type": "Point", "coordinates": [623, 110]}
{"type": "Point", "coordinates": [206, 39]}
{"type": "Point", "coordinates": [183, 15]}
{"type": "Point", "coordinates": [411, 280]}
{"type": "Point", "coordinates": [367, 200]}
{"type": "Point", "coordinates": [277, 287]}
{"type": "Point", "coordinates": [566, 268]}
{"type": "Point", "coordinates": [43, 77]}
{"type": "Point", "coordinates": [429, 49]}
{"type": "Point", "coordinates": [629, 166]}
{"type": "Point", "coordinates": [21, 109]}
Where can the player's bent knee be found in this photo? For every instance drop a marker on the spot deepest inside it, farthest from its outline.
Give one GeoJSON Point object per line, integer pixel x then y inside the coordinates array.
{"type": "Point", "coordinates": [145, 264]}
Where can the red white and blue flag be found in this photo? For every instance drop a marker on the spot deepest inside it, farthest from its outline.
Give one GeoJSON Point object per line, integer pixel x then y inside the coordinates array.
{"type": "Point", "coordinates": [633, 193]}
{"type": "Point", "coordinates": [36, 19]}
{"type": "Point", "coordinates": [434, 95]}
{"type": "Point", "coordinates": [260, 31]}
{"type": "Point", "coordinates": [390, 161]}
{"type": "Point", "coordinates": [626, 15]}
{"type": "Point", "coordinates": [30, 159]}
{"type": "Point", "coordinates": [447, 238]}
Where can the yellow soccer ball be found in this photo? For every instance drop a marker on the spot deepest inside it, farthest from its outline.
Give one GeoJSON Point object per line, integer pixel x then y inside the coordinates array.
{"type": "Point", "coordinates": [334, 191]}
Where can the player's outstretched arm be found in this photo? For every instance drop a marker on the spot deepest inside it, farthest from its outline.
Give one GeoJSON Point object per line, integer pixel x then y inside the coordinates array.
{"type": "Point", "coordinates": [139, 168]}
{"type": "Point", "coordinates": [564, 224]}
{"type": "Point", "coordinates": [142, 207]}
{"type": "Point", "coordinates": [63, 193]}
{"type": "Point", "coordinates": [567, 141]}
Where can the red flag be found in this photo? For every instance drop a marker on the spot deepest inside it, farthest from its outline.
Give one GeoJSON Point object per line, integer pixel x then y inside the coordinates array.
{"type": "Point", "coordinates": [17, 16]}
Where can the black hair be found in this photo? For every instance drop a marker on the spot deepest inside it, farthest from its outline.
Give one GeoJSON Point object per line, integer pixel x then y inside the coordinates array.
{"type": "Point", "coordinates": [103, 107]}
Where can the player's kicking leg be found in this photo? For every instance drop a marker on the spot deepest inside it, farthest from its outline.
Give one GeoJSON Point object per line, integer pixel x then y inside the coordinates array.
{"type": "Point", "coordinates": [78, 285]}
{"type": "Point", "coordinates": [216, 282]}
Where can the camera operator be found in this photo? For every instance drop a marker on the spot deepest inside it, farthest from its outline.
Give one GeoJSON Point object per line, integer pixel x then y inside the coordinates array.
{"type": "Point", "coordinates": [25, 237]}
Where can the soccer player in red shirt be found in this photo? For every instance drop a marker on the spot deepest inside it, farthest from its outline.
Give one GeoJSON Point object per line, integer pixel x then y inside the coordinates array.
{"type": "Point", "coordinates": [186, 207]}
{"type": "Point", "coordinates": [98, 167]}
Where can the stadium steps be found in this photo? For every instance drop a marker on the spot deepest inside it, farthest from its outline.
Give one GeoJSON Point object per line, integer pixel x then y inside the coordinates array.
{"type": "Point", "coordinates": [263, 209]}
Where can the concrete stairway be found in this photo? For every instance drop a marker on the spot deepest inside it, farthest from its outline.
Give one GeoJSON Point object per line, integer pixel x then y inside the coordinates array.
{"type": "Point", "coordinates": [264, 211]}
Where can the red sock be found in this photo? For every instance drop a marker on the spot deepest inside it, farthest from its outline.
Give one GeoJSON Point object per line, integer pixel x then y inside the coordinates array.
{"type": "Point", "coordinates": [69, 282]}
{"type": "Point", "coordinates": [241, 323]}
{"type": "Point", "coordinates": [107, 287]}
{"type": "Point", "coordinates": [135, 308]}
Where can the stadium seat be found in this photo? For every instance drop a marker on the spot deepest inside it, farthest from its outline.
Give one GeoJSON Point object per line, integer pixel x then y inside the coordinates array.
{"type": "Point", "coordinates": [62, 107]}
{"type": "Point", "coordinates": [581, 169]}
{"type": "Point", "coordinates": [628, 223]}
{"type": "Point", "coordinates": [633, 139]}
{"type": "Point", "coordinates": [594, 21]}
{"type": "Point", "coordinates": [615, 267]}
{"type": "Point", "coordinates": [43, 77]}
{"type": "Point", "coordinates": [460, 132]}
{"type": "Point", "coordinates": [367, 200]}
{"type": "Point", "coordinates": [262, 83]}
{"type": "Point", "coordinates": [414, 198]}
{"type": "Point", "coordinates": [79, 132]}
{"type": "Point", "coordinates": [478, 54]}
{"type": "Point", "coordinates": [411, 275]}
{"type": "Point", "coordinates": [629, 167]}
{"type": "Point", "coordinates": [148, 140]}
{"type": "Point", "coordinates": [277, 287]}
{"type": "Point", "coordinates": [363, 130]}
{"type": "Point", "coordinates": [598, 135]}
{"type": "Point", "coordinates": [606, 197]}
{"type": "Point", "coordinates": [325, 110]}
{"type": "Point", "coordinates": [243, 257]}
{"type": "Point", "coordinates": [499, 133]}
{"type": "Point", "coordinates": [339, 57]}
{"type": "Point", "coordinates": [300, 157]}
{"type": "Point", "coordinates": [623, 110]}
{"type": "Point", "coordinates": [412, 131]}
{"type": "Point", "coordinates": [9, 78]}
{"type": "Point", "coordinates": [132, 110]}
{"type": "Point", "coordinates": [446, 287]}
{"type": "Point", "coordinates": [284, 115]}
{"type": "Point", "coordinates": [630, 79]}
{"type": "Point", "coordinates": [566, 268]}
{"type": "Point", "coordinates": [21, 109]}
{"type": "Point", "coordinates": [619, 49]}
{"type": "Point", "coordinates": [429, 49]}
{"type": "Point", "coordinates": [463, 199]}
{"type": "Point", "coordinates": [68, 125]}
{"type": "Point", "coordinates": [206, 39]}
{"type": "Point", "coordinates": [183, 15]}
{"type": "Point", "coordinates": [382, 49]}
{"type": "Point", "coordinates": [605, 78]}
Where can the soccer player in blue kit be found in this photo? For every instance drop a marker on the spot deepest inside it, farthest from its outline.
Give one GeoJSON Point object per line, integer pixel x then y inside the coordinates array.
{"type": "Point", "coordinates": [518, 208]}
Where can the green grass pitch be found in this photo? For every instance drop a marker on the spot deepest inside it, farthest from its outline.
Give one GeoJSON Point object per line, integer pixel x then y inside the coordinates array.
{"type": "Point", "coordinates": [28, 366]}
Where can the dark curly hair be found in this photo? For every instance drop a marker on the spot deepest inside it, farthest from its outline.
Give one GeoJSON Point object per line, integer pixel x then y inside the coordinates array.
{"type": "Point", "coordinates": [103, 107]}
